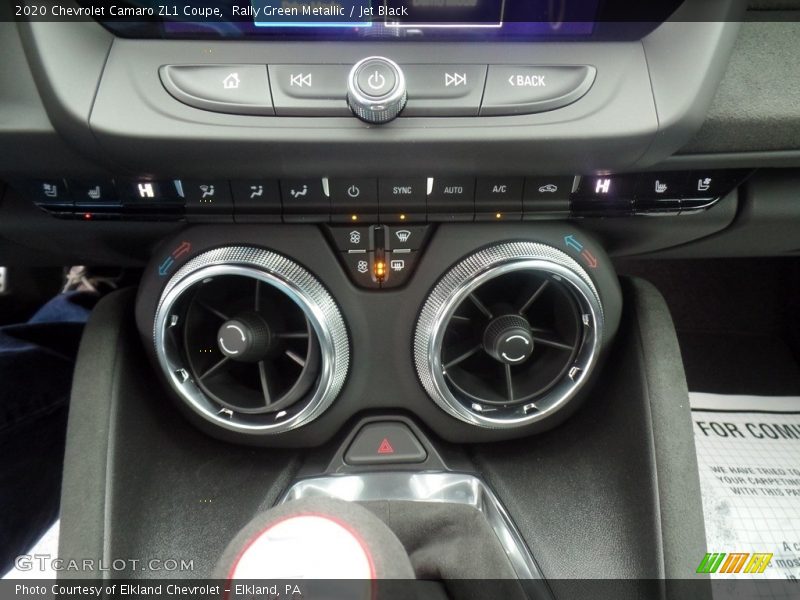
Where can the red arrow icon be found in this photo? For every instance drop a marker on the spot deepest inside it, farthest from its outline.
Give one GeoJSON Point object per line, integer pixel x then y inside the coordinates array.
{"type": "Point", "coordinates": [184, 248]}
{"type": "Point", "coordinates": [385, 447]}
{"type": "Point", "coordinates": [589, 258]}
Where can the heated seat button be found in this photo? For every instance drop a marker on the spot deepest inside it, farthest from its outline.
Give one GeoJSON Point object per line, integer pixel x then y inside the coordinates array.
{"type": "Point", "coordinates": [444, 90]}
{"type": "Point", "coordinates": [236, 89]}
{"type": "Point", "coordinates": [518, 89]}
{"type": "Point", "coordinates": [662, 185]}
{"type": "Point", "coordinates": [712, 184]}
{"type": "Point", "coordinates": [310, 90]}
{"type": "Point", "coordinates": [93, 193]}
{"type": "Point", "coordinates": [46, 192]}
{"type": "Point", "coordinates": [382, 443]}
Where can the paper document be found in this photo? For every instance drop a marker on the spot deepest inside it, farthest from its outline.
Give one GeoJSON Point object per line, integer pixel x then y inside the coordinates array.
{"type": "Point", "coordinates": [748, 454]}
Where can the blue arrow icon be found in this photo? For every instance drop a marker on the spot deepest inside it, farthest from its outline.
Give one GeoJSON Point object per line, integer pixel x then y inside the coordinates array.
{"type": "Point", "coordinates": [166, 266]}
{"type": "Point", "coordinates": [570, 241]}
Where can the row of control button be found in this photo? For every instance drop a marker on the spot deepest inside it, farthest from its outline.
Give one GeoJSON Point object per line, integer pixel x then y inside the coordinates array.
{"type": "Point", "coordinates": [378, 256]}
{"type": "Point", "coordinates": [666, 193]}
{"type": "Point", "coordinates": [433, 90]}
{"type": "Point", "coordinates": [386, 200]}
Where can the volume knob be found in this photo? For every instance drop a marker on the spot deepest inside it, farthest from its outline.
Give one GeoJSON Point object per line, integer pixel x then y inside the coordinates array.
{"type": "Point", "coordinates": [376, 89]}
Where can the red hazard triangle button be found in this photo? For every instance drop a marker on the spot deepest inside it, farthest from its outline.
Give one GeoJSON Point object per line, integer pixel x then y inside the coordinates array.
{"type": "Point", "coordinates": [384, 442]}
{"type": "Point", "coordinates": [385, 447]}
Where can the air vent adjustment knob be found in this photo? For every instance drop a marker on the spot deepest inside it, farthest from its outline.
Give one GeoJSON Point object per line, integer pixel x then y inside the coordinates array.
{"type": "Point", "coordinates": [246, 338]}
{"type": "Point", "coordinates": [508, 339]}
{"type": "Point", "coordinates": [376, 89]}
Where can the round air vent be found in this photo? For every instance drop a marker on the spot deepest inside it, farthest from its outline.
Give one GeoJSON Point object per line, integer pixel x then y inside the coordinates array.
{"type": "Point", "coordinates": [509, 335]}
{"type": "Point", "coordinates": [251, 341]}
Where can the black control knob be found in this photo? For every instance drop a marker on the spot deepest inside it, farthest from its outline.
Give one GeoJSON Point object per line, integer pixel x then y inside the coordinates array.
{"type": "Point", "coordinates": [376, 89]}
{"type": "Point", "coordinates": [508, 338]}
{"type": "Point", "coordinates": [246, 338]}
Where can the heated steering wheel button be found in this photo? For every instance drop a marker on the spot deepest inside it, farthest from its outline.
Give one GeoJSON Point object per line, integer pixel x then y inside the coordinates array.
{"type": "Point", "coordinates": [382, 443]}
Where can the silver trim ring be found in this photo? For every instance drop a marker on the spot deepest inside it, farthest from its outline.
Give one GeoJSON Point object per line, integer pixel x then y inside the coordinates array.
{"type": "Point", "coordinates": [301, 287]}
{"type": "Point", "coordinates": [468, 275]}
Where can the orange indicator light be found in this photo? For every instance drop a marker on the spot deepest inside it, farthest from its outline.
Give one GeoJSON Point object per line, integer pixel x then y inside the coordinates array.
{"type": "Point", "coordinates": [380, 269]}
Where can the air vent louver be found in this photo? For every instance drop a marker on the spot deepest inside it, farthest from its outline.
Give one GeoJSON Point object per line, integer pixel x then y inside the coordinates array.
{"type": "Point", "coordinates": [251, 341]}
{"type": "Point", "coordinates": [508, 335]}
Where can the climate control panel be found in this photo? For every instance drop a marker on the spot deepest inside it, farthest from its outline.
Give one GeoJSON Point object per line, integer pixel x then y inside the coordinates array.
{"type": "Point", "coordinates": [385, 200]}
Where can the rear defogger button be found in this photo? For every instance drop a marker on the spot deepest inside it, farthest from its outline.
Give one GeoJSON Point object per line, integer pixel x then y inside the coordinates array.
{"type": "Point", "coordinates": [519, 89]}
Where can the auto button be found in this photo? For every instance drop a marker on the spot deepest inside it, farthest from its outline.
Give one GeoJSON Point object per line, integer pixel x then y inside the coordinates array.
{"type": "Point", "coordinates": [518, 89]}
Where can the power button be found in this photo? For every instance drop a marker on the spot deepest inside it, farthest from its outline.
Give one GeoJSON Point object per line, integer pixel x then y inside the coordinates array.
{"type": "Point", "coordinates": [376, 89]}
{"type": "Point", "coordinates": [376, 78]}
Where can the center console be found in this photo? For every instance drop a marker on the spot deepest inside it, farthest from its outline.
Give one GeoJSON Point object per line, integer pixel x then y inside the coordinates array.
{"type": "Point", "coordinates": [377, 259]}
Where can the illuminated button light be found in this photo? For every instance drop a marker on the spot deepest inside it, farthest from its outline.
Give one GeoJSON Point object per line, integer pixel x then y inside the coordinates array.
{"type": "Point", "coordinates": [380, 270]}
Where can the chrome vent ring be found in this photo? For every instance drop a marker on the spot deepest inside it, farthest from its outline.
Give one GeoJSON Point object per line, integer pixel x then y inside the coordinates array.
{"type": "Point", "coordinates": [553, 313]}
{"type": "Point", "coordinates": [294, 318]}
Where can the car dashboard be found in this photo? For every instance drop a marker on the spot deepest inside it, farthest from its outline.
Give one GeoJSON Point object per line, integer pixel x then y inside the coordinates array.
{"type": "Point", "coordinates": [379, 245]}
